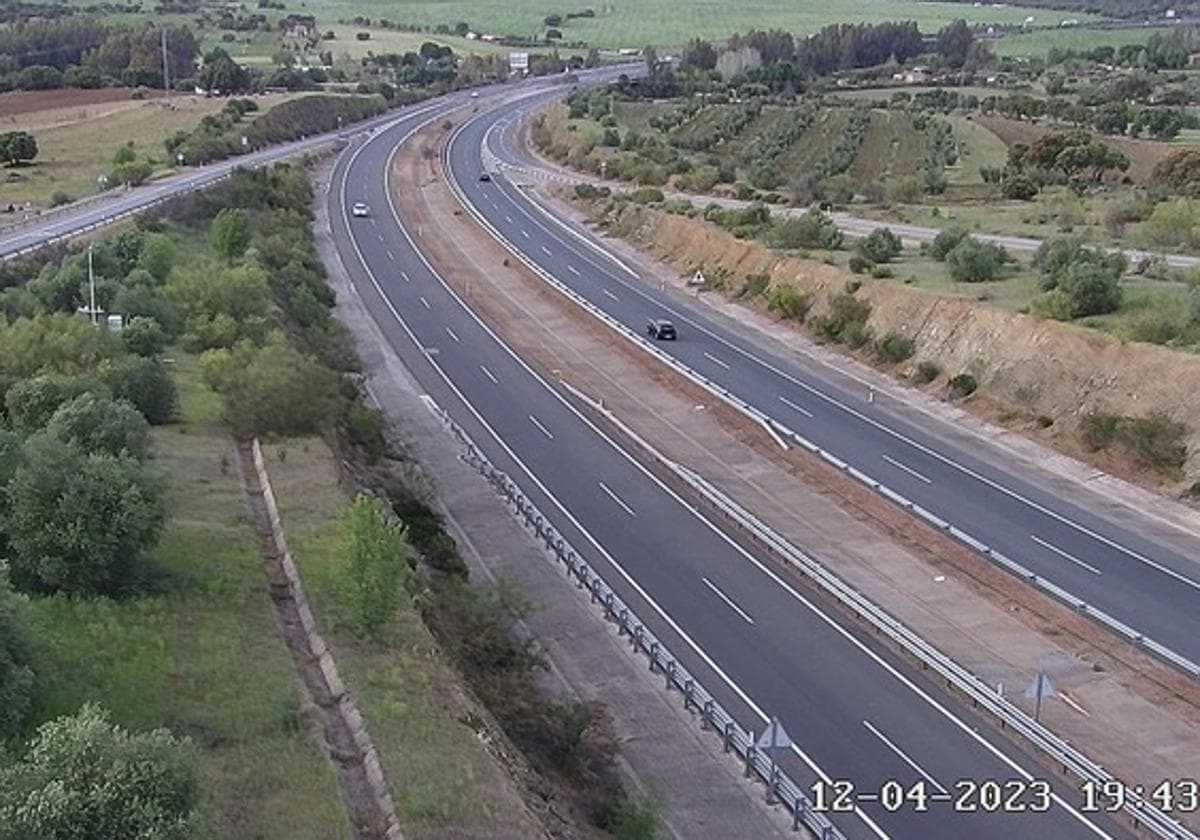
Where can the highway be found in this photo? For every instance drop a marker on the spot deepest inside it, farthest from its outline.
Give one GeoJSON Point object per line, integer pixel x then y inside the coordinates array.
{"type": "Point", "coordinates": [854, 710]}
{"type": "Point", "coordinates": [1150, 587]}
{"type": "Point", "coordinates": [54, 225]}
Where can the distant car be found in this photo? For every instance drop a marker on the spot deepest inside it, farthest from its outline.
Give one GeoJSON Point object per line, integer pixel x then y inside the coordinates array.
{"type": "Point", "coordinates": [661, 329]}
{"type": "Point", "coordinates": [485, 176]}
{"type": "Point", "coordinates": [360, 209]}
{"type": "Point", "coordinates": [474, 94]}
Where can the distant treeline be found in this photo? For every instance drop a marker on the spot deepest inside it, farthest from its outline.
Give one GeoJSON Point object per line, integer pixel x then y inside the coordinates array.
{"type": "Point", "coordinates": [1129, 9]}
{"type": "Point", "coordinates": [37, 54]}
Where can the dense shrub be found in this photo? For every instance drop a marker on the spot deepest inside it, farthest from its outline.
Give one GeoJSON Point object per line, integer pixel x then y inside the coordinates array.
{"type": "Point", "coordinates": [845, 322]}
{"type": "Point", "coordinates": [894, 347]}
{"type": "Point", "coordinates": [972, 261]}
{"type": "Point", "coordinates": [963, 385]}
{"type": "Point", "coordinates": [926, 372]}
{"type": "Point", "coordinates": [16, 672]}
{"type": "Point", "coordinates": [1156, 441]}
{"type": "Point", "coordinates": [788, 303]}
{"type": "Point", "coordinates": [859, 264]}
{"type": "Point", "coordinates": [946, 241]}
{"type": "Point", "coordinates": [880, 246]}
{"type": "Point", "coordinates": [754, 286]}
{"type": "Point", "coordinates": [814, 229]}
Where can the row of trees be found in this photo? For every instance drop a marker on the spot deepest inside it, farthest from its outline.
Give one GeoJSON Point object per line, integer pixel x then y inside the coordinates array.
{"type": "Point", "coordinates": [85, 52]}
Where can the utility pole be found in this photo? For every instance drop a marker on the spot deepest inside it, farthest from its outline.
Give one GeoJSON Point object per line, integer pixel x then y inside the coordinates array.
{"type": "Point", "coordinates": [162, 38]}
{"type": "Point", "coordinates": [90, 310]}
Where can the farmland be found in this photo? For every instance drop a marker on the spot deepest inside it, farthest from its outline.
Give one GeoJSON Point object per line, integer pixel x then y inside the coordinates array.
{"type": "Point", "coordinates": [78, 131]}
{"type": "Point", "coordinates": [666, 22]}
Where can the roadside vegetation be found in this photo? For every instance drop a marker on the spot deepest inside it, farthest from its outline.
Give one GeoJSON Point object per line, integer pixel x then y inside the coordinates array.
{"type": "Point", "coordinates": [159, 615]}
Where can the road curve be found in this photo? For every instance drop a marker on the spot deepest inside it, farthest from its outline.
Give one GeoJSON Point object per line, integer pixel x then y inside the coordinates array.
{"type": "Point", "coordinates": [1097, 558]}
{"type": "Point", "coordinates": [759, 645]}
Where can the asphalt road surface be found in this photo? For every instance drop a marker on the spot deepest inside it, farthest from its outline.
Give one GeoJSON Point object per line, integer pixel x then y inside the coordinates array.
{"type": "Point", "coordinates": [855, 711]}
{"type": "Point", "coordinates": [1147, 586]}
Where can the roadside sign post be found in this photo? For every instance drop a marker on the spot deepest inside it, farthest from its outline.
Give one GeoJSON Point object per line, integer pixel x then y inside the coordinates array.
{"type": "Point", "coordinates": [1038, 690]}
{"type": "Point", "coordinates": [773, 738]}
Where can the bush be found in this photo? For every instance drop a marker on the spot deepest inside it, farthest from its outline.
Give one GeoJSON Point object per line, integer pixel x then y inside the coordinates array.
{"type": "Point", "coordinates": [1156, 441]}
{"type": "Point", "coordinates": [926, 372]}
{"type": "Point", "coordinates": [946, 241]}
{"type": "Point", "coordinates": [16, 673]}
{"type": "Point", "coordinates": [754, 286]}
{"type": "Point", "coordinates": [82, 776]}
{"type": "Point", "coordinates": [1019, 188]}
{"type": "Point", "coordinates": [789, 304]}
{"type": "Point", "coordinates": [376, 565]}
{"type": "Point", "coordinates": [894, 347]}
{"type": "Point", "coordinates": [77, 522]}
{"type": "Point", "coordinates": [882, 272]}
{"type": "Point", "coordinates": [812, 230]}
{"type": "Point", "coordinates": [273, 390]}
{"type": "Point", "coordinates": [229, 232]}
{"type": "Point", "coordinates": [145, 384]}
{"type": "Point", "coordinates": [972, 261]}
{"type": "Point", "coordinates": [860, 264]}
{"type": "Point", "coordinates": [845, 322]}
{"type": "Point", "coordinates": [636, 817]}
{"type": "Point", "coordinates": [647, 195]}
{"type": "Point", "coordinates": [97, 425]}
{"type": "Point", "coordinates": [144, 337]}
{"type": "Point", "coordinates": [590, 191]}
{"type": "Point", "coordinates": [60, 198]}
{"type": "Point", "coordinates": [367, 428]}
{"type": "Point", "coordinates": [1053, 305]}
{"type": "Point", "coordinates": [963, 385]}
{"type": "Point", "coordinates": [880, 246]}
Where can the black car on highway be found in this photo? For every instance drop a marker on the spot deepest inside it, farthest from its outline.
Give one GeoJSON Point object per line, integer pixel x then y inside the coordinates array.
{"type": "Point", "coordinates": [661, 329]}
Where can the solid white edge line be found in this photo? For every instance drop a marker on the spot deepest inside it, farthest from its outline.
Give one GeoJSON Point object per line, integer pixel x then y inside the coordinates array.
{"type": "Point", "coordinates": [1013, 494]}
{"type": "Point", "coordinates": [905, 681]}
{"type": "Point", "coordinates": [729, 602]}
{"type": "Point", "coordinates": [537, 482]}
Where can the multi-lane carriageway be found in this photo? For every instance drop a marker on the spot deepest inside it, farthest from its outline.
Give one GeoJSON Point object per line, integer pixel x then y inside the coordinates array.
{"type": "Point", "coordinates": [1150, 587]}
{"type": "Point", "coordinates": [761, 646]}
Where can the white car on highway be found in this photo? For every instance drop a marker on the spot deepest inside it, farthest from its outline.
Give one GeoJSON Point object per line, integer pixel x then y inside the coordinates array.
{"type": "Point", "coordinates": [360, 209]}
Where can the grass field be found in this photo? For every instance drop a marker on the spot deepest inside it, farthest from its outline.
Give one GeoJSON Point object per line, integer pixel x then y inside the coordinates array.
{"type": "Point", "coordinates": [1040, 42]}
{"type": "Point", "coordinates": [666, 22]}
{"type": "Point", "coordinates": [76, 144]}
{"type": "Point", "coordinates": [205, 659]}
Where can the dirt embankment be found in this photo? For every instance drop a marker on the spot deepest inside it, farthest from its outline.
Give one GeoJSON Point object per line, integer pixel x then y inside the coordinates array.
{"type": "Point", "coordinates": [1026, 367]}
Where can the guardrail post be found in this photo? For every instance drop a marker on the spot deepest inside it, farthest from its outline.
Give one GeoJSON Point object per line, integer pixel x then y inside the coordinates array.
{"type": "Point", "coordinates": [706, 715]}
{"type": "Point", "coordinates": [653, 656]}
{"type": "Point", "coordinates": [750, 757]}
{"type": "Point", "coordinates": [688, 689]}
{"type": "Point", "coordinates": [772, 779]}
{"type": "Point", "coordinates": [797, 807]}
{"type": "Point", "coordinates": [638, 638]}
{"type": "Point", "coordinates": [670, 672]}
{"type": "Point", "coordinates": [728, 735]}
{"type": "Point", "coordinates": [623, 624]}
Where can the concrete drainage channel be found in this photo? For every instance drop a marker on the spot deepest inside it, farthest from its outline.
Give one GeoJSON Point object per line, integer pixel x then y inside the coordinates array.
{"type": "Point", "coordinates": [780, 787]}
{"type": "Point", "coordinates": [957, 677]}
{"type": "Point", "coordinates": [782, 434]}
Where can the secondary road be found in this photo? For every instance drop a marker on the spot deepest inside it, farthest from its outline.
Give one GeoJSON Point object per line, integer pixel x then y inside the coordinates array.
{"type": "Point", "coordinates": [759, 645]}
{"type": "Point", "coordinates": [1150, 587]}
{"type": "Point", "coordinates": [59, 224]}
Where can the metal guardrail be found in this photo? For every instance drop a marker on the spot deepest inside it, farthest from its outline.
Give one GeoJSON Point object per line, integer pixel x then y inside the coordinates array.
{"type": "Point", "coordinates": [713, 717]}
{"type": "Point", "coordinates": [955, 675]}
{"type": "Point", "coordinates": [780, 433]}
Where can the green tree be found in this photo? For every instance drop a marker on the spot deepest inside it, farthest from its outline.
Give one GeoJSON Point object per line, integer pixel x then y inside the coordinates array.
{"type": "Point", "coordinates": [377, 567]}
{"type": "Point", "coordinates": [220, 305]}
{"type": "Point", "coordinates": [146, 301]}
{"type": "Point", "coordinates": [812, 230]}
{"type": "Point", "coordinates": [157, 255]}
{"type": "Point", "coordinates": [1090, 290]}
{"type": "Point", "coordinates": [98, 425]}
{"type": "Point", "coordinates": [144, 336]}
{"type": "Point", "coordinates": [972, 261]}
{"type": "Point", "coordinates": [880, 246]}
{"type": "Point", "coordinates": [16, 673]}
{"type": "Point", "coordinates": [946, 241]}
{"type": "Point", "coordinates": [78, 523]}
{"type": "Point", "coordinates": [145, 384]}
{"type": "Point", "coordinates": [273, 390]}
{"type": "Point", "coordinates": [64, 344]}
{"type": "Point", "coordinates": [84, 778]}
{"type": "Point", "coordinates": [1173, 224]}
{"type": "Point", "coordinates": [30, 403]}
{"type": "Point", "coordinates": [124, 154]}
{"type": "Point", "coordinates": [229, 232]}
{"type": "Point", "coordinates": [18, 147]}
